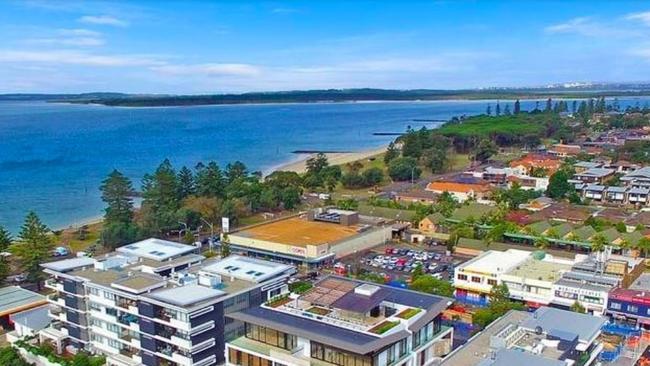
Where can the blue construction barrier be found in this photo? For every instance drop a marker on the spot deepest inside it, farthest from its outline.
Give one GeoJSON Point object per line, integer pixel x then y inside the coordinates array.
{"type": "Point", "coordinates": [621, 330]}
{"type": "Point", "coordinates": [472, 301]}
{"type": "Point", "coordinates": [611, 356]}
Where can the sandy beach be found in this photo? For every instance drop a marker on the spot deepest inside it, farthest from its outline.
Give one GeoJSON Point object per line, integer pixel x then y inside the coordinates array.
{"type": "Point", "coordinates": [299, 166]}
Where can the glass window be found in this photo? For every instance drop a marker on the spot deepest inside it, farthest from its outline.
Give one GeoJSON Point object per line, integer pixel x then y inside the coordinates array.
{"type": "Point", "coordinates": [632, 308]}
{"type": "Point", "coordinates": [462, 277]}
{"type": "Point", "coordinates": [476, 279]}
{"type": "Point", "coordinates": [615, 305]}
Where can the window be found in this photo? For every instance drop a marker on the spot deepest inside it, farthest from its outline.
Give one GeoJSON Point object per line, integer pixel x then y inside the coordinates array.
{"type": "Point", "coordinates": [332, 355]}
{"type": "Point", "coordinates": [476, 279]}
{"type": "Point", "coordinates": [93, 291]}
{"type": "Point", "coordinates": [492, 282]}
{"type": "Point", "coordinates": [271, 336]}
{"type": "Point", "coordinates": [237, 357]}
{"type": "Point", "coordinates": [632, 308]}
{"type": "Point", "coordinates": [615, 305]}
{"type": "Point", "coordinates": [462, 277]}
{"type": "Point", "coordinates": [109, 295]}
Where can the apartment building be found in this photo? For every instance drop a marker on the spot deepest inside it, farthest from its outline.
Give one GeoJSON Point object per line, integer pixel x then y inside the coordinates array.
{"type": "Point", "coordinates": [156, 302]}
{"type": "Point", "coordinates": [631, 305]}
{"type": "Point", "coordinates": [343, 322]}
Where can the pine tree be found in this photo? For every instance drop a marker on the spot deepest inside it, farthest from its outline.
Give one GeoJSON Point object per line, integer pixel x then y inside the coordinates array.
{"type": "Point", "coordinates": [33, 247]}
{"type": "Point", "coordinates": [517, 108]}
{"type": "Point", "coordinates": [185, 183]}
{"type": "Point", "coordinates": [5, 239]}
{"type": "Point", "coordinates": [161, 200]}
{"type": "Point", "coordinates": [488, 110]}
{"type": "Point", "coordinates": [116, 193]}
{"type": "Point", "coordinates": [210, 181]}
{"type": "Point", "coordinates": [391, 153]}
{"type": "Point", "coordinates": [574, 106]}
{"type": "Point", "coordinates": [497, 110]}
{"type": "Point", "coordinates": [506, 110]}
{"type": "Point", "coordinates": [549, 105]}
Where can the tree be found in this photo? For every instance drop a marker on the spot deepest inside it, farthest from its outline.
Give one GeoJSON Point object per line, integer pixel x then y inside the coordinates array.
{"type": "Point", "coordinates": [644, 246]}
{"type": "Point", "coordinates": [598, 242]}
{"type": "Point", "coordinates": [186, 185]}
{"type": "Point", "coordinates": [558, 185]}
{"type": "Point", "coordinates": [418, 272]}
{"type": "Point", "coordinates": [4, 268]}
{"type": "Point", "coordinates": [499, 293]}
{"type": "Point", "coordinates": [290, 197]}
{"type": "Point", "coordinates": [116, 193]}
{"type": "Point", "coordinates": [403, 169]}
{"type": "Point", "coordinates": [497, 110]}
{"type": "Point", "coordinates": [549, 105]}
{"type": "Point", "coordinates": [317, 163]}
{"type": "Point", "coordinates": [372, 176]}
{"type": "Point", "coordinates": [225, 246]}
{"type": "Point", "coordinates": [210, 181]}
{"type": "Point", "coordinates": [116, 234]}
{"type": "Point", "coordinates": [541, 243]}
{"type": "Point", "coordinates": [506, 110]}
{"type": "Point", "coordinates": [517, 108]}
{"type": "Point", "coordinates": [578, 308]}
{"type": "Point", "coordinates": [391, 153]}
{"type": "Point", "coordinates": [488, 110]}
{"type": "Point", "coordinates": [621, 227]}
{"type": "Point", "coordinates": [5, 239]}
{"type": "Point", "coordinates": [34, 247]}
{"type": "Point", "coordinates": [412, 145]}
{"type": "Point", "coordinates": [432, 285]}
{"type": "Point", "coordinates": [160, 193]}
{"type": "Point", "coordinates": [446, 204]}
{"type": "Point", "coordinates": [485, 149]}
{"type": "Point", "coordinates": [236, 170]}
{"type": "Point", "coordinates": [348, 204]}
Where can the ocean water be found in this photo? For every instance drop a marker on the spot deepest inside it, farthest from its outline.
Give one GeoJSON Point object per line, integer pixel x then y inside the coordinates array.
{"type": "Point", "coordinates": [54, 156]}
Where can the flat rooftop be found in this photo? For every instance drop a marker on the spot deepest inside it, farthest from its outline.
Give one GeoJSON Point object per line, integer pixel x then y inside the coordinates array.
{"type": "Point", "coordinates": [477, 349]}
{"type": "Point", "coordinates": [540, 270]}
{"type": "Point", "coordinates": [186, 295]}
{"type": "Point", "coordinates": [494, 261]}
{"type": "Point", "coordinates": [247, 269]}
{"type": "Point", "coordinates": [156, 249]}
{"type": "Point", "coordinates": [14, 299]}
{"type": "Point", "coordinates": [510, 357]}
{"type": "Point", "coordinates": [299, 232]}
{"type": "Point", "coordinates": [585, 326]}
{"type": "Point", "coordinates": [69, 264]}
{"type": "Point", "coordinates": [139, 282]}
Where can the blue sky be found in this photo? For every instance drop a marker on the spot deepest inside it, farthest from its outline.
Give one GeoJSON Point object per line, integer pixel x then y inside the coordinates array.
{"type": "Point", "coordinates": [236, 46]}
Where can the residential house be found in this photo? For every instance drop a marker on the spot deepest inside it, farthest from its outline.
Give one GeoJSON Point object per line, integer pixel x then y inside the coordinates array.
{"type": "Point", "coordinates": [431, 223]}
{"type": "Point", "coordinates": [461, 191]}
{"type": "Point", "coordinates": [563, 150]}
{"type": "Point", "coordinates": [526, 164]}
{"type": "Point", "coordinates": [415, 196]}
{"type": "Point", "coordinates": [594, 175]}
{"type": "Point", "coordinates": [639, 178]}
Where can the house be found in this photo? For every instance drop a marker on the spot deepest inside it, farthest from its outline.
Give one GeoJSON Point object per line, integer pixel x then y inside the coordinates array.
{"type": "Point", "coordinates": [546, 337]}
{"type": "Point", "coordinates": [525, 165]}
{"type": "Point", "coordinates": [594, 192]}
{"type": "Point", "coordinates": [341, 321]}
{"type": "Point", "coordinates": [616, 194]}
{"type": "Point", "coordinates": [582, 166]}
{"type": "Point", "coordinates": [415, 196]}
{"type": "Point", "coordinates": [537, 204]}
{"type": "Point", "coordinates": [430, 223]}
{"type": "Point", "coordinates": [563, 150]}
{"type": "Point", "coordinates": [638, 195]}
{"type": "Point", "coordinates": [641, 218]}
{"type": "Point", "coordinates": [623, 166]}
{"type": "Point", "coordinates": [17, 304]}
{"type": "Point", "coordinates": [562, 211]}
{"type": "Point", "coordinates": [461, 191]}
{"type": "Point", "coordinates": [528, 182]}
{"type": "Point", "coordinates": [639, 178]}
{"type": "Point", "coordinates": [594, 175]}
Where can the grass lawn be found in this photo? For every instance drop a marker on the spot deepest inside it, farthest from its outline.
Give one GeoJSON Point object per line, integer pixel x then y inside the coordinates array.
{"type": "Point", "coordinates": [70, 237]}
{"type": "Point", "coordinates": [459, 162]}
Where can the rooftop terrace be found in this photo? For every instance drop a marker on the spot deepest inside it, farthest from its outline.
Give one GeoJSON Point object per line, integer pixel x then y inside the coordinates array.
{"type": "Point", "coordinates": [540, 270]}
{"type": "Point", "coordinates": [299, 232]}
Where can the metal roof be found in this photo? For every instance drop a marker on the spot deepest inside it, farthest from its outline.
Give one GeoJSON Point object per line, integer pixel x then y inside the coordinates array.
{"type": "Point", "coordinates": [584, 325]}
{"type": "Point", "coordinates": [69, 264]}
{"type": "Point", "coordinates": [359, 303]}
{"type": "Point", "coordinates": [510, 357]}
{"type": "Point", "coordinates": [14, 299]}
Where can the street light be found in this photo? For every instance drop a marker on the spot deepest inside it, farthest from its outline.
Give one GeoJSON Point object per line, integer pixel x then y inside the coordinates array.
{"type": "Point", "coordinates": [211, 231]}
{"type": "Point", "coordinates": [180, 231]}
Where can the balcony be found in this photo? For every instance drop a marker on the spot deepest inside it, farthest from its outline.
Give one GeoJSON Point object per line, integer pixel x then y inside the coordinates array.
{"type": "Point", "coordinates": [170, 317]}
{"type": "Point", "coordinates": [54, 284]}
{"type": "Point", "coordinates": [56, 300]}
{"type": "Point", "coordinates": [127, 304]}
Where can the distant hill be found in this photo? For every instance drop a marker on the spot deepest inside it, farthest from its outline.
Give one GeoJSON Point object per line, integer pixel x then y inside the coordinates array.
{"type": "Point", "coordinates": [567, 90]}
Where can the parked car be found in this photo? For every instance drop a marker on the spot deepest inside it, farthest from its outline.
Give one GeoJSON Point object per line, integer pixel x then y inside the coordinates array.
{"type": "Point", "coordinates": [60, 252]}
{"type": "Point", "coordinates": [20, 278]}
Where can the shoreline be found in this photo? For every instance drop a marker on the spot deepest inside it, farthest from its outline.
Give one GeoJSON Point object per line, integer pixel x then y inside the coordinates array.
{"type": "Point", "coordinates": [298, 165]}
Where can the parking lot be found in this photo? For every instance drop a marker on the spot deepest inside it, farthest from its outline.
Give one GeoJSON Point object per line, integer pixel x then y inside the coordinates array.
{"type": "Point", "coordinates": [397, 261]}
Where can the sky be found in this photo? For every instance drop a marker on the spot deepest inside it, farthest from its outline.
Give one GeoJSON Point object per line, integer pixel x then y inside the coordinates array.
{"type": "Point", "coordinates": [195, 47]}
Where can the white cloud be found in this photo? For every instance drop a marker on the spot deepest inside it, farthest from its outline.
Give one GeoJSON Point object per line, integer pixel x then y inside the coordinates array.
{"type": "Point", "coordinates": [103, 20]}
{"type": "Point", "coordinates": [73, 41]}
{"type": "Point", "coordinates": [587, 26]}
{"type": "Point", "coordinates": [74, 57]}
{"type": "Point", "coordinates": [209, 69]}
{"type": "Point", "coordinates": [79, 32]}
{"type": "Point", "coordinates": [284, 11]}
{"type": "Point", "coordinates": [643, 17]}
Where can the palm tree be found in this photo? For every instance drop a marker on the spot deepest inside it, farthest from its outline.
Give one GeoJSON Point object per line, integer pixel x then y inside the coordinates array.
{"type": "Point", "coordinates": [598, 243]}
{"type": "Point", "coordinates": [541, 243]}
